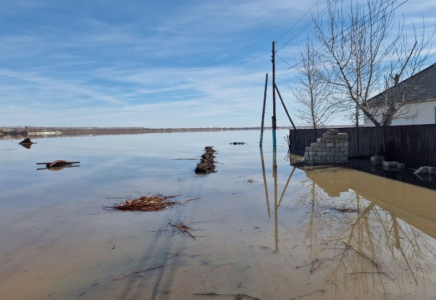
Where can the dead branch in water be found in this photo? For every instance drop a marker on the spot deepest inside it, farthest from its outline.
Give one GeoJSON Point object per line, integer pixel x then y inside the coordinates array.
{"type": "Point", "coordinates": [148, 203]}
{"type": "Point", "coordinates": [137, 272]}
{"type": "Point", "coordinates": [321, 291]}
{"type": "Point", "coordinates": [378, 272]}
{"type": "Point", "coordinates": [237, 296]}
{"type": "Point", "coordinates": [182, 227]}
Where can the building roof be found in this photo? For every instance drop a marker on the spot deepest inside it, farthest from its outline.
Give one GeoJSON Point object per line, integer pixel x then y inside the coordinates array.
{"type": "Point", "coordinates": [417, 88]}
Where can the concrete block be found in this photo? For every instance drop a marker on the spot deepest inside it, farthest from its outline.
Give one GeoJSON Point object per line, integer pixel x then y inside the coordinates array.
{"type": "Point", "coordinates": [330, 144]}
{"type": "Point", "coordinates": [317, 158]}
{"type": "Point", "coordinates": [343, 149]}
{"type": "Point", "coordinates": [320, 140]}
{"type": "Point", "coordinates": [312, 144]}
{"type": "Point", "coordinates": [328, 136]}
{"type": "Point", "coordinates": [346, 144]}
{"type": "Point", "coordinates": [390, 164]}
{"type": "Point", "coordinates": [377, 157]}
{"type": "Point", "coordinates": [339, 145]}
{"type": "Point", "coordinates": [330, 153]}
{"type": "Point", "coordinates": [423, 170]}
{"type": "Point", "coordinates": [322, 145]}
{"type": "Point", "coordinates": [401, 166]}
{"type": "Point", "coordinates": [322, 153]}
{"type": "Point", "coordinates": [313, 153]}
{"type": "Point", "coordinates": [332, 131]}
{"type": "Point", "coordinates": [342, 136]}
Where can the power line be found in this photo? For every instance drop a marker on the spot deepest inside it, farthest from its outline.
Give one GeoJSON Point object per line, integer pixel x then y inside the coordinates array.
{"type": "Point", "coordinates": [316, 52]}
{"type": "Point", "coordinates": [297, 21]}
{"type": "Point", "coordinates": [306, 26]}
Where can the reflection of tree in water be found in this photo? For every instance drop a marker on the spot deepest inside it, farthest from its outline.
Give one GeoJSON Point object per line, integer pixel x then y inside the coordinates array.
{"type": "Point", "coordinates": [364, 253]}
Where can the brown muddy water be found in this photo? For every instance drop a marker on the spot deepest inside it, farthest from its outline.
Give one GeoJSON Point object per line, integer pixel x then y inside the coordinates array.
{"type": "Point", "coordinates": [321, 233]}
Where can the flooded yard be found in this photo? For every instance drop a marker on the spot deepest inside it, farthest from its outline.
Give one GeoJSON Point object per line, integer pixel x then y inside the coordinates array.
{"type": "Point", "coordinates": [308, 233]}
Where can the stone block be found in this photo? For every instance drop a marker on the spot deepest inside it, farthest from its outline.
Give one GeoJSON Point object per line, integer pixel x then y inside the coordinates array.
{"type": "Point", "coordinates": [317, 158]}
{"type": "Point", "coordinates": [342, 136]}
{"type": "Point", "coordinates": [313, 153]}
{"type": "Point", "coordinates": [330, 144]}
{"type": "Point", "coordinates": [322, 153]}
{"type": "Point", "coordinates": [339, 145]}
{"type": "Point", "coordinates": [330, 153]}
{"type": "Point", "coordinates": [312, 144]}
{"type": "Point", "coordinates": [321, 145]}
{"type": "Point", "coordinates": [320, 140]}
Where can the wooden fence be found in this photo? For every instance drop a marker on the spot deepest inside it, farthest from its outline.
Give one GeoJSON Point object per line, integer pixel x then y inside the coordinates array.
{"type": "Point", "coordinates": [413, 145]}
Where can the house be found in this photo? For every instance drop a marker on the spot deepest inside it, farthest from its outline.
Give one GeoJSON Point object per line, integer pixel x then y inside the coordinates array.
{"type": "Point", "coordinates": [416, 95]}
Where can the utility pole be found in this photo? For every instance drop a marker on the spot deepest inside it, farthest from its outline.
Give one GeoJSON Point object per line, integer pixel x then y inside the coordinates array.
{"type": "Point", "coordinates": [274, 120]}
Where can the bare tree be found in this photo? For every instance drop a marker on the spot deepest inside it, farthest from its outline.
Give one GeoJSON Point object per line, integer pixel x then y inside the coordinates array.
{"type": "Point", "coordinates": [365, 51]}
{"type": "Point", "coordinates": [314, 105]}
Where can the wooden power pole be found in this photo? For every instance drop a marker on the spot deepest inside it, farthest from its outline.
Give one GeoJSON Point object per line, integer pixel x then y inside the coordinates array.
{"type": "Point", "coordinates": [274, 120]}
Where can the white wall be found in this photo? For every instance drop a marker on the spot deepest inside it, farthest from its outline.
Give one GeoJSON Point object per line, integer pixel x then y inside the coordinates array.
{"type": "Point", "coordinates": [417, 113]}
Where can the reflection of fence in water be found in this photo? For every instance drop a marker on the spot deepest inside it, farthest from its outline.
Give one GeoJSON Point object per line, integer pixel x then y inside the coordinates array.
{"type": "Point", "coordinates": [387, 248]}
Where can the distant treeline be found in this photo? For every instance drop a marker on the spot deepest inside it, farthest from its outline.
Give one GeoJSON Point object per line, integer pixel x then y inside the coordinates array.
{"type": "Point", "coordinates": [73, 131]}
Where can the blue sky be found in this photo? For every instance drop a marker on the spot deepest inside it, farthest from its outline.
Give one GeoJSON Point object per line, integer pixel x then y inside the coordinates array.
{"type": "Point", "coordinates": [148, 63]}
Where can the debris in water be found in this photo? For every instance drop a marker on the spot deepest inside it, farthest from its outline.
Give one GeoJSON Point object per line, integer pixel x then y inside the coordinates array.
{"type": "Point", "coordinates": [145, 203]}
{"type": "Point", "coordinates": [237, 143]}
{"type": "Point", "coordinates": [207, 163]}
{"type": "Point", "coordinates": [137, 272]}
{"type": "Point", "coordinates": [26, 143]}
{"type": "Point", "coordinates": [237, 296]}
{"type": "Point", "coordinates": [345, 210]}
{"type": "Point", "coordinates": [58, 165]}
{"type": "Point", "coordinates": [251, 180]}
{"type": "Point", "coordinates": [182, 227]}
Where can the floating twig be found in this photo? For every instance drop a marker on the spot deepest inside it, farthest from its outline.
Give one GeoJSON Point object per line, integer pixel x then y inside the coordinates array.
{"type": "Point", "coordinates": [378, 272]}
{"type": "Point", "coordinates": [137, 272]}
{"type": "Point", "coordinates": [237, 296]}
{"type": "Point", "coordinates": [321, 291]}
{"type": "Point", "coordinates": [190, 245]}
{"type": "Point", "coordinates": [182, 227]}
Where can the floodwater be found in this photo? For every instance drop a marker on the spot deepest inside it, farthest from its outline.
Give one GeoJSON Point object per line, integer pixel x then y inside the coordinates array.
{"type": "Point", "coordinates": [314, 233]}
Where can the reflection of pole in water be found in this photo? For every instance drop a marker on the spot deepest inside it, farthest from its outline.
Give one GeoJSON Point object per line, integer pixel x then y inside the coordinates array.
{"type": "Point", "coordinates": [264, 181]}
{"type": "Point", "coordinates": [286, 186]}
{"type": "Point", "coordinates": [276, 218]}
